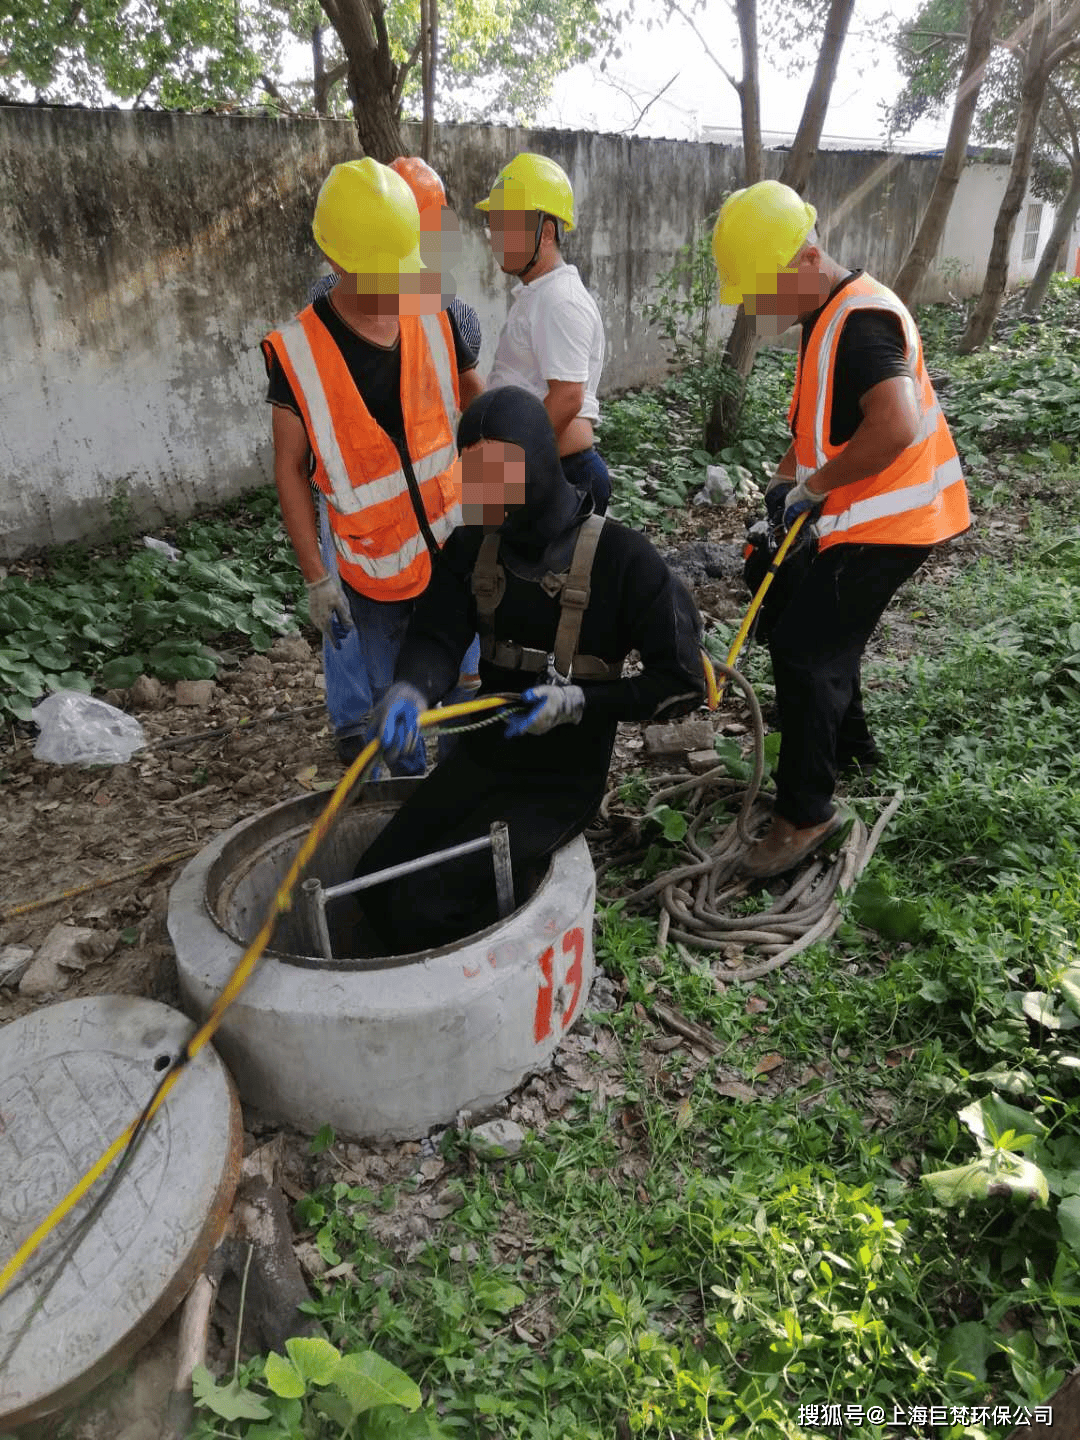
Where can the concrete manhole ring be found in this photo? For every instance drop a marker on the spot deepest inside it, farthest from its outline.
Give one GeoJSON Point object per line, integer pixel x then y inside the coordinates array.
{"type": "Point", "coordinates": [397, 1047]}
{"type": "Point", "coordinates": [72, 1077]}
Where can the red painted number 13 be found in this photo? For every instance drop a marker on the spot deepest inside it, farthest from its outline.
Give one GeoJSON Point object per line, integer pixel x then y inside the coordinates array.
{"type": "Point", "coordinates": [573, 944]}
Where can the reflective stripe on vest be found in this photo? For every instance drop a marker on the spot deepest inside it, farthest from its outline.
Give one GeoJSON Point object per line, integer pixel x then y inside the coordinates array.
{"type": "Point", "coordinates": [358, 467]}
{"type": "Point", "coordinates": [920, 499]}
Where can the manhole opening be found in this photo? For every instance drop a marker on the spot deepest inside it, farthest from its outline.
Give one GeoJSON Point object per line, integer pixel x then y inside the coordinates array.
{"type": "Point", "coordinates": [242, 881]}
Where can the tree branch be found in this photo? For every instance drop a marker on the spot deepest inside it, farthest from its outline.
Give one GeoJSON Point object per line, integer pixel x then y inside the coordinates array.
{"type": "Point", "coordinates": [705, 46]}
{"type": "Point", "coordinates": [404, 68]}
{"type": "Point", "coordinates": [648, 104]}
{"type": "Point", "coordinates": [1067, 115]}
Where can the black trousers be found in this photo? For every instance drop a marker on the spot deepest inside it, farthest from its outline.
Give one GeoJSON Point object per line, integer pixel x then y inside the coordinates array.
{"type": "Point", "coordinates": [826, 615]}
{"type": "Point", "coordinates": [459, 801]}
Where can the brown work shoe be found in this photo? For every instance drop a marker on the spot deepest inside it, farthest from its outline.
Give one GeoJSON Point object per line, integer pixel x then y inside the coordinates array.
{"type": "Point", "coordinates": [786, 846]}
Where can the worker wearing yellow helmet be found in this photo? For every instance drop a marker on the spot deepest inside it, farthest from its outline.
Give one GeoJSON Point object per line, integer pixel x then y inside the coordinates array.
{"type": "Point", "coordinates": [873, 464]}
{"type": "Point", "coordinates": [553, 341]}
{"type": "Point", "coordinates": [366, 401]}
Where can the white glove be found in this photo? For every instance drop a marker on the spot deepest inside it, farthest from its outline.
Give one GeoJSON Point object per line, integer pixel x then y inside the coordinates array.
{"type": "Point", "coordinates": [326, 600]}
{"type": "Point", "coordinates": [551, 705]}
{"type": "Point", "coordinates": [801, 501]}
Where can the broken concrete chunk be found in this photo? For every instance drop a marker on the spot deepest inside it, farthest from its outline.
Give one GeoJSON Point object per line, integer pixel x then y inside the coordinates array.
{"type": "Point", "coordinates": [196, 693]}
{"type": "Point", "coordinates": [679, 737]}
{"type": "Point", "coordinates": [701, 760]}
{"type": "Point", "coordinates": [146, 693]}
{"type": "Point", "coordinates": [290, 649]}
{"type": "Point", "coordinates": [14, 963]}
{"type": "Point", "coordinates": [58, 957]}
{"type": "Point", "coordinates": [496, 1140]}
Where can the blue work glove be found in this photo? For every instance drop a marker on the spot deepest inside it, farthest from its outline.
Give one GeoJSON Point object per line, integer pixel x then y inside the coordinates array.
{"type": "Point", "coordinates": [800, 501]}
{"type": "Point", "coordinates": [549, 705]}
{"type": "Point", "coordinates": [397, 721]}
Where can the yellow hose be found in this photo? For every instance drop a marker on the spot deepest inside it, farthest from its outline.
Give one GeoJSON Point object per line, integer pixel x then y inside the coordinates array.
{"type": "Point", "coordinates": [236, 982]}
{"type": "Point", "coordinates": [755, 604]}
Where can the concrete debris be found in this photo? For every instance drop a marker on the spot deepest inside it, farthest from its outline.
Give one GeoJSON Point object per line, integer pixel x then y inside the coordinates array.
{"type": "Point", "coordinates": [704, 560]}
{"type": "Point", "coordinates": [14, 963]}
{"type": "Point", "coordinates": [291, 649]}
{"type": "Point", "coordinates": [195, 693]}
{"type": "Point", "coordinates": [700, 761]}
{"type": "Point", "coordinates": [147, 693]}
{"type": "Point", "coordinates": [679, 737]}
{"type": "Point", "coordinates": [58, 957]}
{"type": "Point", "coordinates": [602, 996]}
{"type": "Point", "coordinates": [496, 1140]}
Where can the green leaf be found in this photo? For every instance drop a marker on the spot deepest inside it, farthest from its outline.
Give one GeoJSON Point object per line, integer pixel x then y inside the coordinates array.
{"type": "Point", "coordinates": [1068, 1214]}
{"type": "Point", "coordinates": [366, 1380]}
{"type": "Point", "coordinates": [731, 757]}
{"type": "Point", "coordinates": [876, 908]}
{"type": "Point", "coordinates": [1069, 985]}
{"type": "Point", "coordinates": [1011, 1175]}
{"type": "Point", "coordinates": [499, 1296]}
{"type": "Point", "coordinates": [283, 1377]}
{"type": "Point", "coordinates": [322, 1140]}
{"type": "Point", "coordinates": [672, 822]}
{"type": "Point", "coordinates": [121, 672]}
{"type": "Point", "coordinates": [231, 1402]}
{"type": "Point", "coordinates": [1040, 1007]}
{"type": "Point", "coordinates": [989, 1118]}
{"type": "Point", "coordinates": [966, 1349]}
{"type": "Point", "coordinates": [316, 1359]}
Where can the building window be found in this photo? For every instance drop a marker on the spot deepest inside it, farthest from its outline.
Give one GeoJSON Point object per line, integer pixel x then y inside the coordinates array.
{"type": "Point", "coordinates": [1031, 231]}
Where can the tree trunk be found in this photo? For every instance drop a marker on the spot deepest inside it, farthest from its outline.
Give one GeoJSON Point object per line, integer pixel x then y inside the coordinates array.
{"type": "Point", "coordinates": [749, 92]}
{"type": "Point", "coordinates": [984, 17]}
{"type": "Point", "coordinates": [373, 77]}
{"type": "Point", "coordinates": [429, 13]}
{"type": "Point", "coordinates": [1032, 90]}
{"type": "Point", "coordinates": [1048, 262]}
{"type": "Point", "coordinates": [742, 344]}
{"type": "Point", "coordinates": [796, 172]}
{"type": "Point", "coordinates": [319, 65]}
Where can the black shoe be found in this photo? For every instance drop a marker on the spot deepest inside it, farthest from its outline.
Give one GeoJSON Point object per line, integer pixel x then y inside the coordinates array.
{"type": "Point", "coordinates": [349, 747]}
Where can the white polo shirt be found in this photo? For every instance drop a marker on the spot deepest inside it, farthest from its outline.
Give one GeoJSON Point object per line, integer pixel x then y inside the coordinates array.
{"type": "Point", "coordinates": [553, 332]}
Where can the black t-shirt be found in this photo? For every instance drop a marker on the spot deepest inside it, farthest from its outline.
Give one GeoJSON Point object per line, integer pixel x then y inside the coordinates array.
{"type": "Point", "coordinates": [870, 350]}
{"type": "Point", "coordinates": [375, 369]}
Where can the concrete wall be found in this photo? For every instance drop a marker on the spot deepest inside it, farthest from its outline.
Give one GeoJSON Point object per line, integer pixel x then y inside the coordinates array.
{"type": "Point", "coordinates": [144, 255]}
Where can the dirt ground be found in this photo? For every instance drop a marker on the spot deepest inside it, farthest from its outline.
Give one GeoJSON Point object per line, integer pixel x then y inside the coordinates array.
{"type": "Point", "coordinates": [263, 737]}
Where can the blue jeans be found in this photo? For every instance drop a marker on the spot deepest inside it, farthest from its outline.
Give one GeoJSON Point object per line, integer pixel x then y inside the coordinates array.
{"type": "Point", "coordinates": [360, 672]}
{"type": "Point", "coordinates": [585, 470]}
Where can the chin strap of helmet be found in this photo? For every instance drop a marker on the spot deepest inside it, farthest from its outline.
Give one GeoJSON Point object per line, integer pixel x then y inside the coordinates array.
{"type": "Point", "coordinates": [541, 217]}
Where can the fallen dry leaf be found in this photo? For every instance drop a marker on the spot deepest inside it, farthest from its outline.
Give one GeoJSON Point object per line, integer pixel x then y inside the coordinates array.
{"type": "Point", "coordinates": [525, 1336]}
{"type": "Point", "coordinates": [683, 1114]}
{"type": "Point", "coordinates": [768, 1063]}
{"type": "Point", "coordinates": [734, 1090]}
{"type": "Point", "coordinates": [755, 1005]}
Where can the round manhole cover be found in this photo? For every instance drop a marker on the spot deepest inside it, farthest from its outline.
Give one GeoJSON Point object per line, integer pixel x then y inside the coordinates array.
{"type": "Point", "coordinates": [72, 1077]}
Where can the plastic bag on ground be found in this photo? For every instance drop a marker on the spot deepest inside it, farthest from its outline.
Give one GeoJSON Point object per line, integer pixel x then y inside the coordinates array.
{"type": "Point", "coordinates": [77, 729]}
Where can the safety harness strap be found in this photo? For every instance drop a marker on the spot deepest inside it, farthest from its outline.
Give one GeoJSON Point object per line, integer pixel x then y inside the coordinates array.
{"type": "Point", "coordinates": [509, 656]}
{"type": "Point", "coordinates": [574, 599]}
{"type": "Point", "coordinates": [488, 582]}
{"type": "Point", "coordinates": [489, 585]}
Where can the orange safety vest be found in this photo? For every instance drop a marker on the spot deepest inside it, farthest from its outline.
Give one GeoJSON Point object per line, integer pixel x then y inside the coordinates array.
{"type": "Point", "coordinates": [381, 551]}
{"type": "Point", "coordinates": [921, 498]}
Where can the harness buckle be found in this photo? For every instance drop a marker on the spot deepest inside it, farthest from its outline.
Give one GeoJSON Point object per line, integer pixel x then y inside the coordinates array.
{"type": "Point", "coordinates": [553, 675]}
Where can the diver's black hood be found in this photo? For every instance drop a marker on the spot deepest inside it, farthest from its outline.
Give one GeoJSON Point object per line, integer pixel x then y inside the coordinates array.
{"type": "Point", "coordinates": [552, 505]}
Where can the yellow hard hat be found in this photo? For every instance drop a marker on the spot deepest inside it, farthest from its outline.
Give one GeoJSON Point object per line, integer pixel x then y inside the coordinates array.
{"type": "Point", "coordinates": [758, 232]}
{"type": "Point", "coordinates": [532, 182]}
{"type": "Point", "coordinates": [366, 220]}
